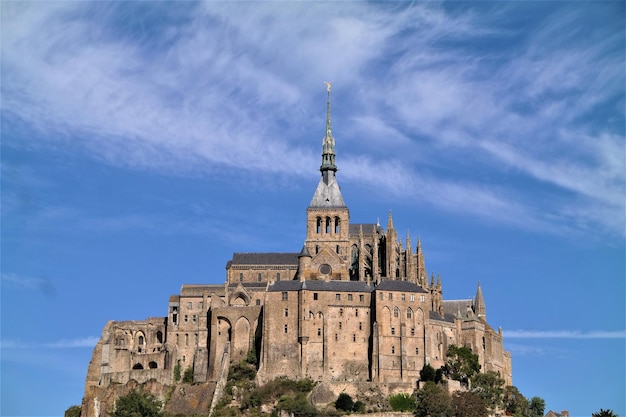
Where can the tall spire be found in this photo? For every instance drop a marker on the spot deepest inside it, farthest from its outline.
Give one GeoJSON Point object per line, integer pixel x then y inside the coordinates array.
{"type": "Point", "coordinates": [328, 193]}
{"type": "Point", "coordinates": [328, 144]}
{"type": "Point", "coordinates": [390, 221]}
{"type": "Point", "coordinates": [479, 303]}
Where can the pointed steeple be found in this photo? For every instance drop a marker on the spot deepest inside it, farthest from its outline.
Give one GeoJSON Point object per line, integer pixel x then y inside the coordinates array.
{"type": "Point", "coordinates": [328, 193]}
{"type": "Point", "coordinates": [390, 222]}
{"type": "Point", "coordinates": [479, 303]}
{"type": "Point", "coordinates": [328, 144]}
{"type": "Point", "coordinates": [408, 242]}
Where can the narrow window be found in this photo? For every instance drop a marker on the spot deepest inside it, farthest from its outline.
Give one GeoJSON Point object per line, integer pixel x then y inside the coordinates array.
{"type": "Point", "coordinates": [177, 338]}
{"type": "Point", "coordinates": [286, 328]}
{"type": "Point", "coordinates": [403, 297]}
{"type": "Point", "coordinates": [354, 338]}
{"type": "Point", "coordinates": [328, 225]}
{"type": "Point", "coordinates": [278, 276]}
{"type": "Point", "coordinates": [356, 312]}
{"type": "Point", "coordinates": [258, 302]}
{"type": "Point", "coordinates": [194, 318]}
{"type": "Point", "coordinates": [396, 312]}
{"type": "Point", "coordinates": [417, 351]}
{"type": "Point", "coordinates": [317, 249]}
{"type": "Point", "coordinates": [175, 318]}
{"type": "Point", "coordinates": [284, 295]}
{"type": "Point", "coordinates": [186, 320]}
{"type": "Point", "coordinates": [258, 277]}
{"type": "Point", "coordinates": [319, 331]}
{"type": "Point", "coordinates": [393, 350]}
{"type": "Point", "coordinates": [391, 296]}
{"type": "Point", "coordinates": [412, 297]}
{"type": "Point", "coordinates": [159, 336]}
{"type": "Point", "coordinates": [338, 297]}
{"type": "Point", "coordinates": [360, 326]}
{"type": "Point", "coordinates": [337, 227]}
{"type": "Point", "coordinates": [412, 331]}
{"type": "Point", "coordinates": [341, 312]}
{"type": "Point", "coordinates": [393, 331]}
{"type": "Point", "coordinates": [337, 249]}
{"type": "Point", "coordinates": [380, 296]}
{"type": "Point", "coordinates": [422, 298]}
{"type": "Point", "coordinates": [241, 277]}
{"type": "Point", "coordinates": [409, 314]}
{"type": "Point", "coordinates": [336, 337]}
{"type": "Point", "coordinates": [340, 325]}
{"type": "Point", "coordinates": [186, 339]}
{"type": "Point", "coordinates": [200, 305]}
{"type": "Point", "coordinates": [286, 312]}
{"type": "Point", "coordinates": [361, 298]}
{"type": "Point", "coordinates": [349, 297]}
{"type": "Point", "coordinates": [318, 228]}
{"type": "Point", "coordinates": [141, 340]}
{"type": "Point", "coordinates": [315, 296]}
{"type": "Point", "coordinates": [189, 305]}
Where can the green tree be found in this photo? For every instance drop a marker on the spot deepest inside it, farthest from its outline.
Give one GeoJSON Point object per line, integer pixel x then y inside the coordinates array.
{"type": "Point", "coordinates": [490, 387]}
{"type": "Point", "coordinates": [427, 373]}
{"type": "Point", "coordinates": [402, 402]}
{"type": "Point", "coordinates": [461, 364]}
{"type": "Point", "coordinates": [177, 371]}
{"type": "Point", "coordinates": [137, 404]}
{"type": "Point", "coordinates": [344, 402]}
{"type": "Point", "coordinates": [468, 404]}
{"type": "Point", "coordinates": [537, 407]}
{"type": "Point", "coordinates": [604, 413]}
{"type": "Point", "coordinates": [188, 375]}
{"type": "Point", "coordinates": [515, 403]}
{"type": "Point", "coordinates": [73, 411]}
{"type": "Point", "coordinates": [434, 401]}
{"type": "Point", "coordinates": [359, 407]}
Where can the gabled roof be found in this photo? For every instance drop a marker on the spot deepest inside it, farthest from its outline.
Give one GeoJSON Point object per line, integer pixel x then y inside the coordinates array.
{"type": "Point", "coordinates": [269, 258]}
{"type": "Point", "coordinates": [454, 306]}
{"type": "Point", "coordinates": [433, 315]}
{"type": "Point", "coordinates": [312, 285]}
{"type": "Point", "coordinates": [393, 285]}
{"type": "Point", "coordinates": [368, 228]}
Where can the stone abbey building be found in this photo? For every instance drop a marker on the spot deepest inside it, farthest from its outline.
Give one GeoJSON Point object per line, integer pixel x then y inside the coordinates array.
{"type": "Point", "coordinates": [354, 305]}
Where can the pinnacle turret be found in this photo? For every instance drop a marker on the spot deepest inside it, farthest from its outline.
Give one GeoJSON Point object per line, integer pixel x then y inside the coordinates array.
{"type": "Point", "coordinates": [479, 303]}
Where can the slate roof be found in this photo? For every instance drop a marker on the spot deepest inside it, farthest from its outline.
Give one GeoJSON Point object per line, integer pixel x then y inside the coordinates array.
{"type": "Point", "coordinates": [433, 315]}
{"type": "Point", "coordinates": [327, 195]}
{"type": "Point", "coordinates": [453, 306]}
{"type": "Point", "coordinates": [393, 285]}
{"type": "Point", "coordinates": [269, 258]}
{"type": "Point", "coordinates": [248, 284]}
{"type": "Point", "coordinates": [334, 286]}
{"type": "Point", "coordinates": [368, 228]}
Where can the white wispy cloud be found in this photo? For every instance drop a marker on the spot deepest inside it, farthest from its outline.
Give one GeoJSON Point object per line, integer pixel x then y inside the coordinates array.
{"type": "Point", "coordinates": [564, 334]}
{"type": "Point", "coordinates": [221, 86]}
{"type": "Point", "coordinates": [23, 282]}
{"type": "Point", "coordinates": [83, 342]}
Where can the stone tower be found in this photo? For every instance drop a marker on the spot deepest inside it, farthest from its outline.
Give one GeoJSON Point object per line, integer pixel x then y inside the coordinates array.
{"type": "Point", "coordinates": [328, 219]}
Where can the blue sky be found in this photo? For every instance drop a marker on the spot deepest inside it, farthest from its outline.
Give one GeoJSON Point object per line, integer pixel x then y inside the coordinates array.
{"type": "Point", "coordinates": [145, 142]}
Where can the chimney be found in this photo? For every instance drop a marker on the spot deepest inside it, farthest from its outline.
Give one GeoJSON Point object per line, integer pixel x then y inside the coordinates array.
{"type": "Point", "coordinates": [565, 413]}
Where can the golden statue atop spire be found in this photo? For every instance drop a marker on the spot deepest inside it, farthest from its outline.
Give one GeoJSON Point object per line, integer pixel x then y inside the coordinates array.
{"type": "Point", "coordinates": [327, 86]}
